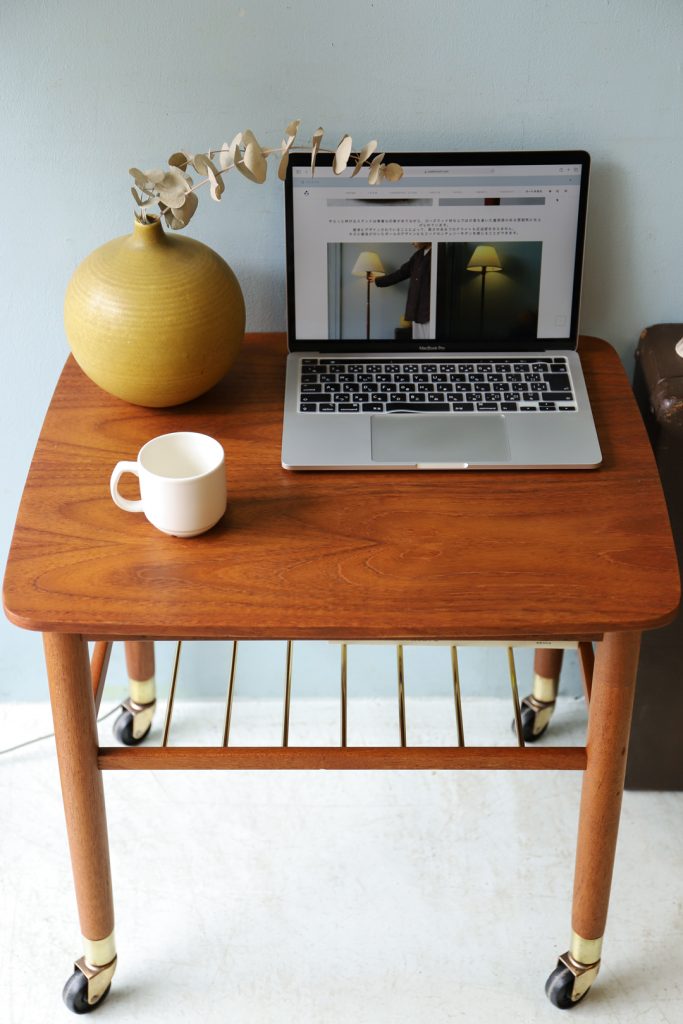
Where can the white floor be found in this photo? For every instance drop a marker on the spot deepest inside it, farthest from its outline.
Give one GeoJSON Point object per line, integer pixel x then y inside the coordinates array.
{"type": "Point", "coordinates": [335, 897]}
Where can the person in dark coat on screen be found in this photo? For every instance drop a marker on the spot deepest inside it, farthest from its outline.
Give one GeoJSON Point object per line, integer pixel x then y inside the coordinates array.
{"type": "Point", "coordinates": [417, 270]}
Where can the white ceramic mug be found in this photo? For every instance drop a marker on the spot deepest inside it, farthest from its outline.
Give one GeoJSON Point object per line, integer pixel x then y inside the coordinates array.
{"type": "Point", "coordinates": [182, 483]}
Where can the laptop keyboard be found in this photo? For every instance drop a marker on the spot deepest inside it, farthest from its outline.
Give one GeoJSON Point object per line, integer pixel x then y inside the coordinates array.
{"type": "Point", "coordinates": [461, 386]}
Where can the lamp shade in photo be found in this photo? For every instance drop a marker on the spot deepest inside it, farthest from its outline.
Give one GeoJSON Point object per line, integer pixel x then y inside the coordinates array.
{"type": "Point", "coordinates": [367, 265]}
{"type": "Point", "coordinates": [484, 259]}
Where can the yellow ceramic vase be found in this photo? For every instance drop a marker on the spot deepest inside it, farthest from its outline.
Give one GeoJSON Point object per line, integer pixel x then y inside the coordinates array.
{"type": "Point", "coordinates": [154, 318]}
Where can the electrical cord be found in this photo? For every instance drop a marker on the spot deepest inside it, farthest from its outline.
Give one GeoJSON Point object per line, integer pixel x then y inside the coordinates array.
{"type": "Point", "coordinates": [49, 735]}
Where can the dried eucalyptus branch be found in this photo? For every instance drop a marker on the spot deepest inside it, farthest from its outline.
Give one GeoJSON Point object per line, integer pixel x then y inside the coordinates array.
{"type": "Point", "coordinates": [175, 192]}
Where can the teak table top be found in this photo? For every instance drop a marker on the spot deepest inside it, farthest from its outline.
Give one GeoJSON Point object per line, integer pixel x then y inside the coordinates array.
{"type": "Point", "coordinates": [400, 555]}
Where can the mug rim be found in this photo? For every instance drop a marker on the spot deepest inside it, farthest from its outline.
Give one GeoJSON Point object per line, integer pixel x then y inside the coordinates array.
{"type": "Point", "coordinates": [218, 447]}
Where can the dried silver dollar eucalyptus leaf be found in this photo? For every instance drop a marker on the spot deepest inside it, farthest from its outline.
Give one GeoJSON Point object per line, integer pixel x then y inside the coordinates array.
{"type": "Point", "coordinates": [376, 169]}
{"type": "Point", "coordinates": [342, 154]}
{"type": "Point", "coordinates": [367, 151]}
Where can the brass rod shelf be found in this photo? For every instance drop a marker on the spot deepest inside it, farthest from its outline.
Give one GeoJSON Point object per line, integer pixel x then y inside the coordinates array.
{"type": "Point", "coordinates": [344, 758]}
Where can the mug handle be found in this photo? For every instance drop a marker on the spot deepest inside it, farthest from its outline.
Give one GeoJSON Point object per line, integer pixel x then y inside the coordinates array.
{"type": "Point", "coordinates": [125, 503]}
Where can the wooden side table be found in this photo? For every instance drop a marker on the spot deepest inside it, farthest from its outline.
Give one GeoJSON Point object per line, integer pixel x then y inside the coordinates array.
{"type": "Point", "coordinates": [514, 556]}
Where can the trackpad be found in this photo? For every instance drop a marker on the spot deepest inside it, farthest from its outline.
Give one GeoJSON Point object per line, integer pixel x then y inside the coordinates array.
{"type": "Point", "coordinates": [429, 437]}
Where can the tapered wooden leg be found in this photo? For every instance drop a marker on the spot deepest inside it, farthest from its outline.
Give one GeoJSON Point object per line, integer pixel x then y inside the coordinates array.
{"type": "Point", "coordinates": [73, 712]}
{"type": "Point", "coordinates": [137, 712]}
{"type": "Point", "coordinates": [609, 724]}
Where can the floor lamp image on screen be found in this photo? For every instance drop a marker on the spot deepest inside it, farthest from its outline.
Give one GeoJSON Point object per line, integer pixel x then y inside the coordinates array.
{"type": "Point", "coordinates": [484, 260]}
{"type": "Point", "coordinates": [368, 264]}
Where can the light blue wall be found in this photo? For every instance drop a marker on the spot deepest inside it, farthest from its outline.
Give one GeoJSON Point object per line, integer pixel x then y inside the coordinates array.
{"type": "Point", "coordinates": [88, 88]}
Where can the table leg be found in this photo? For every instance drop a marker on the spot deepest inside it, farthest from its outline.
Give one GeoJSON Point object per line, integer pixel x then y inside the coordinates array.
{"type": "Point", "coordinates": [73, 711]}
{"type": "Point", "coordinates": [609, 724]}
{"type": "Point", "coordinates": [137, 713]}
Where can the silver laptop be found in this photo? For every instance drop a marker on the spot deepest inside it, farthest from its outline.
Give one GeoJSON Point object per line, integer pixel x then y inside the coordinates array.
{"type": "Point", "coordinates": [433, 321]}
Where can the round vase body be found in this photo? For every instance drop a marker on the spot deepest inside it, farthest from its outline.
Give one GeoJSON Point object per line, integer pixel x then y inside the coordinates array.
{"type": "Point", "coordinates": [153, 318]}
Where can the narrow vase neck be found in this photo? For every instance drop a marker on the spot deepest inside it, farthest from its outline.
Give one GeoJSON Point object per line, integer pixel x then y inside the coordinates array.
{"type": "Point", "coordinates": [148, 234]}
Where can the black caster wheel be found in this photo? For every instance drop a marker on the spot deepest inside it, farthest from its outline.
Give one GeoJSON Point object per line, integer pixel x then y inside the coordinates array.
{"type": "Point", "coordinates": [558, 988]}
{"type": "Point", "coordinates": [123, 730]}
{"type": "Point", "coordinates": [528, 723]}
{"type": "Point", "coordinates": [75, 994]}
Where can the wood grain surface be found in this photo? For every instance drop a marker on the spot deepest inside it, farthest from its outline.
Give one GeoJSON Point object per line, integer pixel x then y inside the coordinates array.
{"type": "Point", "coordinates": [341, 758]}
{"type": "Point", "coordinates": [412, 555]}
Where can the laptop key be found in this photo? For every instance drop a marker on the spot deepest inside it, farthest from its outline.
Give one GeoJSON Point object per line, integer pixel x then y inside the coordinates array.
{"type": "Point", "coordinates": [348, 407]}
{"type": "Point", "coordinates": [487, 407]}
{"type": "Point", "coordinates": [465, 407]}
{"type": "Point", "coordinates": [418, 407]}
{"type": "Point", "coordinates": [327, 407]}
{"type": "Point", "coordinates": [558, 381]}
{"type": "Point", "coordinates": [316, 396]}
{"type": "Point", "coordinates": [557, 396]}
{"type": "Point", "coordinates": [508, 406]}
{"type": "Point", "coordinates": [373, 407]}
{"type": "Point", "coordinates": [308, 407]}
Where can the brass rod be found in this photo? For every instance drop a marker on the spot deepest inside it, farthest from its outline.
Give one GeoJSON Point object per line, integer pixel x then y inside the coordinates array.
{"type": "Point", "coordinates": [515, 698]}
{"type": "Point", "coordinates": [171, 695]}
{"type": "Point", "coordinates": [457, 696]}
{"type": "Point", "coordinates": [401, 695]}
{"type": "Point", "coordinates": [288, 696]}
{"type": "Point", "coordinates": [231, 689]}
{"type": "Point", "coordinates": [343, 693]}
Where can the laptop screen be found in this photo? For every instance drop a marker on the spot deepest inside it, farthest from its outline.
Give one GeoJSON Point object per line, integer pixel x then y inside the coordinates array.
{"type": "Point", "coordinates": [478, 252]}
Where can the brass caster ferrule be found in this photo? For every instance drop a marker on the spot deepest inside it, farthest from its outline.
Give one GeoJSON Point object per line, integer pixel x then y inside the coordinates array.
{"type": "Point", "coordinates": [583, 960]}
{"type": "Point", "coordinates": [98, 978]}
